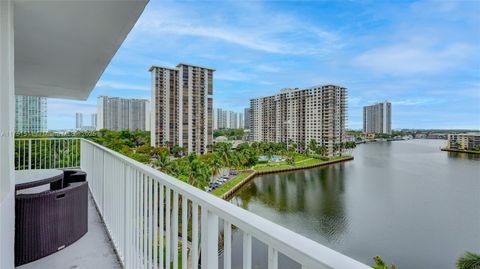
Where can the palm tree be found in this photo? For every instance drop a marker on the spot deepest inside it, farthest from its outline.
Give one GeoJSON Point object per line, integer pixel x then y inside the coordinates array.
{"type": "Point", "coordinates": [240, 160]}
{"type": "Point", "coordinates": [469, 260]}
{"type": "Point", "coordinates": [301, 146]}
{"type": "Point", "coordinates": [269, 155]}
{"type": "Point", "coordinates": [293, 147]}
{"type": "Point", "coordinates": [350, 146]}
{"type": "Point", "coordinates": [289, 143]}
{"type": "Point", "coordinates": [251, 157]}
{"type": "Point", "coordinates": [173, 169]}
{"type": "Point", "coordinates": [322, 150]}
{"type": "Point", "coordinates": [215, 165]}
{"type": "Point", "coordinates": [167, 144]}
{"type": "Point", "coordinates": [175, 150]}
{"type": "Point", "coordinates": [224, 149]}
{"type": "Point", "coordinates": [336, 148]}
{"type": "Point", "coordinates": [256, 147]}
{"type": "Point", "coordinates": [312, 145]}
{"type": "Point", "coordinates": [162, 162]}
{"type": "Point", "coordinates": [198, 173]}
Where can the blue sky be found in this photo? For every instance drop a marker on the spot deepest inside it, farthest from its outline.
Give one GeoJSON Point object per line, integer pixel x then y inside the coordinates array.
{"type": "Point", "coordinates": [422, 56]}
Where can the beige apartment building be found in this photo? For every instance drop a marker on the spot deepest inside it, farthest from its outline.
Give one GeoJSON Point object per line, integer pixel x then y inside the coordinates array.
{"type": "Point", "coordinates": [115, 113]}
{"type": "Point", "coordinates": [182, 107]}
{"type": "Point", "coordinates": [468, 141]}
{"type": "Point", "coordinates": [300, 115]}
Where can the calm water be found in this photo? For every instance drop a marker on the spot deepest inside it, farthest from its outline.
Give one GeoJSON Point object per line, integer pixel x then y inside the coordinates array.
{"type": "Point", "coordinates": [406, 201]}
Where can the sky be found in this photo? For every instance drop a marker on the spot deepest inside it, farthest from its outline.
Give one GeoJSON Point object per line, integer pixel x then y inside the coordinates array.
{"type": "Point", "coordinates": [423, 56]}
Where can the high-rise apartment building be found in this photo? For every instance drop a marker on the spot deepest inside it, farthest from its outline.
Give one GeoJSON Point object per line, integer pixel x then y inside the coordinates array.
{"type": "Point", "coordinates": [78, 121]}
{"type": "Point", "coordinates": [247, 118]}
{"type": "Point", "coordinates": [377, 118]}
{"type": "Point", "coordinates": [30, 114]}
{"type": "Point", "coordinates": [215, 120]}
{"type": "Point", "coordinates": [225, 119]}
{"type": "Point", "coordinates": [241, 122]}
{"type": "Point", "coordinates": [233, 120]}
{"type": "Point", "coordinates": [301, 115]}
{"type": "Point", "coordinates": [115, 113]}
{"type": "Point", "coordinates": [182, 107]}
{"type": "Point", "coordinates": [93, 120]}
{"type": "Point", "coordinates": [221, 119]}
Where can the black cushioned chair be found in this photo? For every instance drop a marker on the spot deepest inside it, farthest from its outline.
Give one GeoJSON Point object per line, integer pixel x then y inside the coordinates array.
{"type": "Point", "coordinates": [48, 221]}
{"type": "Point", "coordinates": [69, 176]}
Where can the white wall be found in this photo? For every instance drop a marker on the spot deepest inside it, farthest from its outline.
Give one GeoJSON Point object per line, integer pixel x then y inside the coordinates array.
{"type": "Point", "coordinates": [7, 125]}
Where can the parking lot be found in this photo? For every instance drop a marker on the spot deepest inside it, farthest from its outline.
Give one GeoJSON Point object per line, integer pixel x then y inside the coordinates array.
{"type": "Point", "coordinates": [221, 180]}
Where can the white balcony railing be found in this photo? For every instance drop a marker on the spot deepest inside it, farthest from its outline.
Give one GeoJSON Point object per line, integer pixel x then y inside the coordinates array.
{"type": "Point", "coordinates": [148, 214]}
{"type": "Point", "coordinates": [46, 153]}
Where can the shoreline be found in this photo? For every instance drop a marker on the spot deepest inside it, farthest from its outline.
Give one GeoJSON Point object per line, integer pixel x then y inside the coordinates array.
{"type": "Point", "coordinates": [227, 195]}
{"type": "Point", "coordinates": [460, 151]}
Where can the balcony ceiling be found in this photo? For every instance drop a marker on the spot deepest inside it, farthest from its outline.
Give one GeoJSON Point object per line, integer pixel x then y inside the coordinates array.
{"type": "Point", "coordinates": [63, 47]}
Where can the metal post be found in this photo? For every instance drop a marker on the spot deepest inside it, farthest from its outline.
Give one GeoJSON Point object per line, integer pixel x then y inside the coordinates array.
{"type": "Point", "coordinates": [29, 154]}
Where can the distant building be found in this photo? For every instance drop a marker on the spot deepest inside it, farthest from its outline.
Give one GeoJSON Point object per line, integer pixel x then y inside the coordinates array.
{"type": "Point", "coordinates": [93, 120]}
{"type": "Point", "coordinates": [220, 139]}
{"type": "Point", "coordinates": [220, 119]}
{"type": "Point", "coordinates": [247, 118]}
{"type": "Point", "coordinates": [436, 136]}
{"type": "Point", "coordinates": [233, 120]}
{"type": "Point", "coordinates": [226, 119]}
{"type": "Point", "coordinates": [30, 114]}
{"type": "Point", "coordinates": [420, 136]}
{"type": "Point", "coordinates": [115, 113]}
{"type": "Point", "coordinates": [78, 121]}
{"type": "Point", "coordinates": [301, 115]}
{"type": "Point", "coordinates": [377, 118]}
{"type": "Point", "coordinates": [468, 141]}
{"type": "Point", "coordinates": [182, 107]}
{"type": "Point", "coordinates": [241, 121]}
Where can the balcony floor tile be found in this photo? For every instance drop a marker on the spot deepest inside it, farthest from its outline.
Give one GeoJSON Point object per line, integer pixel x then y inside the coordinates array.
{"type": "Point", "coordinates": [93, 250]}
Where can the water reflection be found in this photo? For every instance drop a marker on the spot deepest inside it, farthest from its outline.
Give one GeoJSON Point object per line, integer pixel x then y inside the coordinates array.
{"type": "Point", "coordinates": [317, 192]}
{"type": "Point", "coordinates": [463, 156]}
{"type": "Point", "coordinates": [395, 200]}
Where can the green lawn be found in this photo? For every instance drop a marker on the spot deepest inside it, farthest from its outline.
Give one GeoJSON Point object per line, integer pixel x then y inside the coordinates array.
{"type": "Point", "coordinates": [300, 160]}
{"type": "Point", "coordinates": [231, 183]}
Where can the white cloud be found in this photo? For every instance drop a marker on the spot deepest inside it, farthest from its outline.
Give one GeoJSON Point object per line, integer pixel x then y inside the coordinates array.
{"type": "Point", "coordinates": [268, 68]}
{"type": "Point", "coordinates": [232, 75]}
{"type": "Point", "coordinates": [121, 86]}
{"type": "Point", "coordinates": [412, 58]}
{"type": "Point", "coordinates": [253, 28]}
{"type": "Point", "coordinates": [417, 102]}
{"type": "Point", "coordinates": [67, 108]}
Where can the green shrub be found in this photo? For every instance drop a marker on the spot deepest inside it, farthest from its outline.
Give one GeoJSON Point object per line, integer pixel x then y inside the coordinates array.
{"type": "Point", "coordinates": [469, 260]}
{"type": "Point", "coordinates": [380, 264]}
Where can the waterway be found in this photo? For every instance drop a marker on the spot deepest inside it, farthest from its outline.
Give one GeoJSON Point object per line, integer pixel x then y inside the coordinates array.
{"type": "Point", "coordinates": [406, 201]}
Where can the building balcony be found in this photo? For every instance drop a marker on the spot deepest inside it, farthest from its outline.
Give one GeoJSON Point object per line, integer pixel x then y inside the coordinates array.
{"type": "Point", "coordinates": [139, 217]}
